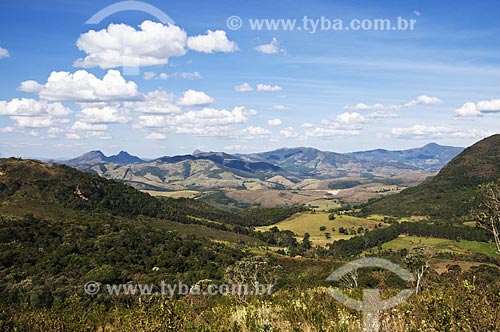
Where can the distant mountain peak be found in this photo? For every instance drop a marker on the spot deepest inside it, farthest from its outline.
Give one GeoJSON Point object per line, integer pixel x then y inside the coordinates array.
{"type": "Point", "coordinates": [97, 157]}
{"type": "Point", "coordinates": [196, 152]}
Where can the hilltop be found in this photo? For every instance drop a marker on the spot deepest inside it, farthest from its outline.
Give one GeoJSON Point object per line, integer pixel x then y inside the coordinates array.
{"type": "Point", "coordinates": [450, 193]}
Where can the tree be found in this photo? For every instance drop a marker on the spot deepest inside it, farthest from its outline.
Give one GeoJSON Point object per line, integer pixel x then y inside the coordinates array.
{"type": "Point", "coordinates": [417, 262]}
{"type": "Point", "coordinates": [306, 242]}
{"type": "Point", "coordinates": [487, 211]}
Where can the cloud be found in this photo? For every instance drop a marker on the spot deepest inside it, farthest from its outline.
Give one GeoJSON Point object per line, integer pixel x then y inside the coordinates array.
{"type": "Point", "coordinates": [345, 124]}
{"type": "Point", "coordinates": [102, 115]}
{"type": "Point", "coordinates": [4, 53]}
{"type": "Point", "coordinates": [420, 100]}
{"type": "Point", "coordinates": [256, 131]}
{"type": "Point", "coordinates": [268, 88]}
{"type": "Point", "coordinates": [289, 132]}
{"type": "Point", "coordinates": [350, 118]}
{"type": "Point", "coordinates": [33, 122]}
{"type": "Point", "coordinates": [433, 132]}
{"type": "Point", "coordinates": [188, 75]}
{"type": "Point", "coordinates": [74, 136]}
{"type": "Point", "coordinates": [245, 87]}
{"type": "Point", "coordinates": [149, 75]}
{"type": "Point", "coordinates": [467, 109]}
{"type": "Point", "coordinates": [274, 122]}
{"type": "Point", "coordinates": [213, 41]}
{"type": "Point", "coordinates": [307, 125]}
{"type": "Point", "coordinates": [470, 109]}
{"type": "Point", "coordinates": [163, 76]}
{"type": "Point", "coordinates": [195, 98]}
{"type": "Point", "coordinates": [156, 136]}
{"type": "Point", "coordinates": [32, 107]}
{"type": "Point", "coordinates": [272, 48]}
{"type": "Point", "coordinates": [376, 107]}
{"type": "Point", "coordinates": [206, 122]}
{"type": "Point", "coordinates": [382, 115]}
{"type": "Point", "coordinates": [155, 102]}
{"type": "Point", "coordinates": [280, 108]}
{"type": "Point", "coordinates": [122, 45]}
{"type": "Point", "coordinates": [7, 130]}
{"type": "Point", "coordinates": [423, 100]}
{"type": "Point", "coordinates": [489, 106]}
{"type": "Point", "coordinates": [83, 86]}
{"type": "Point", "coordinates": [83, 126]}
{"type": "Point", "coordinates": [30, 86]}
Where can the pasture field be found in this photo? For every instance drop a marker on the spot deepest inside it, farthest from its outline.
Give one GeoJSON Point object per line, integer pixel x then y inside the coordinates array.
{"type": "Point", "coordinates": [306, 222]}
{"type": "Point", "coordinates": [442, 245]}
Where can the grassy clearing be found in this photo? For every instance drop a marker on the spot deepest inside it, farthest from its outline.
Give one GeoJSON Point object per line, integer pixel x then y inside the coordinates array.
{"type": "Point", "coordinates": [442, 245]}
{"type": "Point", "coordinates": [306, 222]}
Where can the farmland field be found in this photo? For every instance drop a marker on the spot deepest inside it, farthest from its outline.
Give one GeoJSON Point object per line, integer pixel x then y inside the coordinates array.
{"type": "Point", "coordinates": [442, 245]}
{"type": "Point", "coordinates": [307, 222]}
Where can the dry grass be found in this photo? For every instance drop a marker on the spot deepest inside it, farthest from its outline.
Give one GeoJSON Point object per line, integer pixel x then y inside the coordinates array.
{"type": "Point", "coordinates": [306, 222]}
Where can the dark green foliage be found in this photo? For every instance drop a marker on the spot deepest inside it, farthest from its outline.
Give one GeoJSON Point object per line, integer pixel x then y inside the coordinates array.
{"type": "Point", "coordinates": [376, 237]}
{"type": "Point", "coordinates": [50, 261]}
{"type": "Point", "coordinates": [268, 216]}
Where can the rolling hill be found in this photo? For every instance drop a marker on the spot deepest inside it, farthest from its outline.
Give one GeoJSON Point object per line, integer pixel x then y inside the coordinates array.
{"type": "Point", "coordinates": [449, 194]}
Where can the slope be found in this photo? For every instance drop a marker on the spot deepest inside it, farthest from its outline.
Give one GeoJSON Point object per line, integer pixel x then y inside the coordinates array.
{"type": "Point", "coordinates": [449, 195]}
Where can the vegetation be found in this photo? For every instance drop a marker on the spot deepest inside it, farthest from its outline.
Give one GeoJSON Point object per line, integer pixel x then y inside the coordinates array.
{"type": "Point", "coordinates": [450, 194]}
{"type": "Point", "coordinates": [260, 216]}
{"type": "Point", "coordinates": [487, 211]}
{"type": "Point", "coordinates": [83, 228]}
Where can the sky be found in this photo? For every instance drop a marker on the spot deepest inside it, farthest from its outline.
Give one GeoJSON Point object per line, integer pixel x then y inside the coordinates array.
{"type": "Point", "coordinates": [159, 77]}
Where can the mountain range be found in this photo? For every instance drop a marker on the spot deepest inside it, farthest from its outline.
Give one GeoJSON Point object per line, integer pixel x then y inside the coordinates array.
{"type": "Point", "coordinates": [285, 168]}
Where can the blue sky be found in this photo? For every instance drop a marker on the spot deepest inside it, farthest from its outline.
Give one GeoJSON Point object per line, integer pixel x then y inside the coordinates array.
{"type": "Point", "coordinates": [198, 84]}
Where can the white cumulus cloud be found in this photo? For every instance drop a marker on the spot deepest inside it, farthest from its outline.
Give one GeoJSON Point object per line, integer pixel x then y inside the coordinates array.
{"type": "Point", "coordinates": [213, 41]}
{"type": "Point", "coordinates": [272, 48]}
{"type": "Point", "coordinates": [471, 109]}
{"type": "Point", "coordinates": [83, 86]}
{"type": "Point", "coordinates": [32, 107]}
{"type": "Point", "coordinates": [83, 126]}
{"type": "Point", "coordinates": [102, 115]}
{"type": "Point", "coordinates": [155, 102]}
{"type": "Point", "coordinates": [244, 87]}
{"type": "Point", "coordinates": [195, 98]}
{"type": "Point", "coordinates": [289, 132]}
{"type": "Point", "coordinates": [122, 45]}
{"type": "Point", "coordinates": [274, 122]}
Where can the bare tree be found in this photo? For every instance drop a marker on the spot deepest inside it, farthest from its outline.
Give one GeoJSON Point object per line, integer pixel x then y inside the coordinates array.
{"type": "Point", "coordinates": [417, 262]}
{"type": "Point", "coordinates": [350, 280]}
{"type": "Point", "coordinates": [486, 214]}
